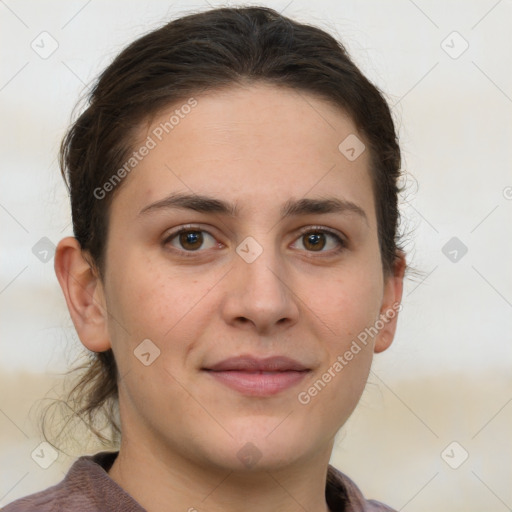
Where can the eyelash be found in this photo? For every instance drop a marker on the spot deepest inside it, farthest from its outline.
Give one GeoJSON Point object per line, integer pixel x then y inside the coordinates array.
{"type": "Point", "coordinates": [342, 245]}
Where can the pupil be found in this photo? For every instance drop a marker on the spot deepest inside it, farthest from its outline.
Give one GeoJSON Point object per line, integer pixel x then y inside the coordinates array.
{"type": "Point", "coordinates": [314, 240]}
{"type": "Point", "coordinates": [192, 238]}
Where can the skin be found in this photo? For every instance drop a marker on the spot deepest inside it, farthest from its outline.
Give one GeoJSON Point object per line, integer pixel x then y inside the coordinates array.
{"type": "Point", "coordinates": [257, 146]}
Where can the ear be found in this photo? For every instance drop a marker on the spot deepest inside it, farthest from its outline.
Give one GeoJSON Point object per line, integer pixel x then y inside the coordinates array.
{"type": "Point", "coordinates": [84, 295]}
{"type": "Point", "coordinates": [391, 303]}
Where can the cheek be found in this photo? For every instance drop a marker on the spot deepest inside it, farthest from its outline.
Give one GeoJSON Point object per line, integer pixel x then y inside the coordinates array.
{"type": "Point", "coordinates": [353, 302]}
{"type": "Point", "coordinates": [149, 301]}
{"type": "Point", "coordinates": [349, 303]}
{"type": "Point", "coordinates": [330, 398]}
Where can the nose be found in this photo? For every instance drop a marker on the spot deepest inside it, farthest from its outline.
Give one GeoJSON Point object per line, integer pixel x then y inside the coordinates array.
{"type": "Point", "coordinates": [260, 295]}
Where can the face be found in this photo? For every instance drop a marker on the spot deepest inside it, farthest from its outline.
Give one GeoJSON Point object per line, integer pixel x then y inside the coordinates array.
{"type": "Point", "coordinates": [274, 253]}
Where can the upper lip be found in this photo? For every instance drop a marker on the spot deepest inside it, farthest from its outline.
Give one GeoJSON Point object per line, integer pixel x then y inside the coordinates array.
{"type": "Point", "coordinates": [250, 363]}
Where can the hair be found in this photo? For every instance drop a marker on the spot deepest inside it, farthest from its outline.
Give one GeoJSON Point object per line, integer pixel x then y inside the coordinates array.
{"type": "Point", "coordinates": [192, 55]}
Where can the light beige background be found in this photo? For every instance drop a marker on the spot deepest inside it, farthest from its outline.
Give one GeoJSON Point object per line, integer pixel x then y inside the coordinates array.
{"type": "Point", "coordinates": [447, 376]}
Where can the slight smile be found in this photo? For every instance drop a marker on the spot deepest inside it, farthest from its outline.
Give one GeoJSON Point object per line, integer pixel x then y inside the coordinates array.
{"type": "Point", "coordinates": [258, 377]}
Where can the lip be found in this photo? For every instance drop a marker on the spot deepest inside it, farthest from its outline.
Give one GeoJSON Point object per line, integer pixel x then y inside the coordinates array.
{"type": "Point", "coordinates": [258, 377]}
{"type": "Point", "coordinates": [254, 364]}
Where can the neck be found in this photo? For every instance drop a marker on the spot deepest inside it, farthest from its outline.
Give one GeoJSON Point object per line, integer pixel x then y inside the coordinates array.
{"type": "Point", "coordinates": [156, 480]}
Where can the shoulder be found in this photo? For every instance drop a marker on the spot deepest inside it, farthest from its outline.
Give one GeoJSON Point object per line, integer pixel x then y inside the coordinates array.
{"type": "Point", "coordinates": [42, 501]}
{"type": "Point", "coordinates": [341, 489]}
{"type": "Point", "coordinates": [79, 490]}
{"type": "Point", "coordinates": [58, 497]}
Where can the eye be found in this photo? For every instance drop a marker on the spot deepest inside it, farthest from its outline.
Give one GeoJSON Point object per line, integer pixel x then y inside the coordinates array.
{"type": "Point", "coordinates": [316, 239]}
{"type": "Point", "coordinates": [190, 239]}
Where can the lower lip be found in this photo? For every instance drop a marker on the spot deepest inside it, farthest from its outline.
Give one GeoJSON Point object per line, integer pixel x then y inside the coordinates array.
{"type": "Point", "coordinates": [259, 384]}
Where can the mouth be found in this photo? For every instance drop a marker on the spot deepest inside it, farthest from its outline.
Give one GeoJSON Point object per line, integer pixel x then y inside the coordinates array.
{"type": "Point", "coordinates": [258, 377]}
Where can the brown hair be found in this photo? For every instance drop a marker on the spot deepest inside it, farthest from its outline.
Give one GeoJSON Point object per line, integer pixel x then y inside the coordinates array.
{"type": "Point", "coordinates": [188, 56]}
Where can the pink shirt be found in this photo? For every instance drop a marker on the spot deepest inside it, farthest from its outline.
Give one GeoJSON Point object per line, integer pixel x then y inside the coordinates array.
{"type": "Point", "coordinates": [87, 487]}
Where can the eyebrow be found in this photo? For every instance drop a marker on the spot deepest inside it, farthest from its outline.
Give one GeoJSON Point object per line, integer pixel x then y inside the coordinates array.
{"type": "Point", "coordinates": [206, 204]}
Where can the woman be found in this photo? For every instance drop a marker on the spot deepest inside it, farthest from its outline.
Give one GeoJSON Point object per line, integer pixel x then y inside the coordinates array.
{"type": "Point", "coordinates": [235, 265]}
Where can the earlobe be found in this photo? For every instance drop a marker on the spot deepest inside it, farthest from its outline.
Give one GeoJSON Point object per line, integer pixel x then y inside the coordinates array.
{"type": "Point", "coordinates": [391, 304]}
{"type": "Point", "coordinates": [83, 291]}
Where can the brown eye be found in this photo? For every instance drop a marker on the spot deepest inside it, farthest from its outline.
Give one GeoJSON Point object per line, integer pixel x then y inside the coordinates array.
{"type": "Point", "coordinates": [316, 240]}
{"type": "Point", "coordinates": [191, 240]}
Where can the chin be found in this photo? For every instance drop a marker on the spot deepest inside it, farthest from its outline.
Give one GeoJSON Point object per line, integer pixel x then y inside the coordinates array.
{"type": "Point", "coordinates": [262, 444]}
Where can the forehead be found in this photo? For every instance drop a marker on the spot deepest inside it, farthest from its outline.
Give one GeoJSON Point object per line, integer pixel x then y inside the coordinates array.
{"type": "Point", "coordinates": [258, 145]}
